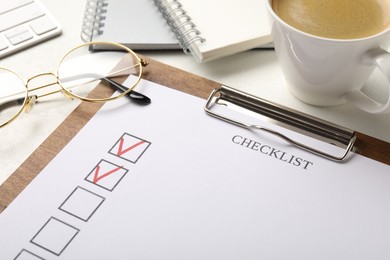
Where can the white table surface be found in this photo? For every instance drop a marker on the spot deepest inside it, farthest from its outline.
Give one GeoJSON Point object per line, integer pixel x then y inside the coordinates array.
{"type": "Point", "coordinates": [256, 72]}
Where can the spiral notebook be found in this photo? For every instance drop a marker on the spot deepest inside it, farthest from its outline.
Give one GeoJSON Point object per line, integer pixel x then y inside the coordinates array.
{"type": "Point", "coordinates": [137, 24]}
{"type": "Point", "coordinates": [206, 30]}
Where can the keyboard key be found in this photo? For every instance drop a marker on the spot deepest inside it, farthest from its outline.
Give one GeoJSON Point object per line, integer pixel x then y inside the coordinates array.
{"type": "Point", "coordinates": [42, 25]}
{"type": "Point", "coordinates": [15, 31]}
{"type": "Point", "coordinates": [23, 14]}
{"type": "Point", "coordinates": [19, 36]}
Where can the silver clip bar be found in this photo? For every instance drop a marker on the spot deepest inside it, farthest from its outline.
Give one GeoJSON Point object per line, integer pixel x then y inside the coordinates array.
{"type": "Point", "coordinates": [287, 118]}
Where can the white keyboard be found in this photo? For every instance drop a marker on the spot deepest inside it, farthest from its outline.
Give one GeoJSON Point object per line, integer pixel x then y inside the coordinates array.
{"type": "Point", "coordinates": [24, 23]}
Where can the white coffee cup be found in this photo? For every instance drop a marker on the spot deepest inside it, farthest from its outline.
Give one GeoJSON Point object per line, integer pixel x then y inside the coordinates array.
{"type": "Point", "coordinates": [326, 72]}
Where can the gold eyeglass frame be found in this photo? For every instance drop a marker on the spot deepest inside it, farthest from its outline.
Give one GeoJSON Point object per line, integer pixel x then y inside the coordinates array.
{"type": "Point", "coordinates": [30, 100]}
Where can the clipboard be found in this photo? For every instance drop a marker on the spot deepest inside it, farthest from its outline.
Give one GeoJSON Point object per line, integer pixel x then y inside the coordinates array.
{"type": "Point", "coordinates": [182, 81]}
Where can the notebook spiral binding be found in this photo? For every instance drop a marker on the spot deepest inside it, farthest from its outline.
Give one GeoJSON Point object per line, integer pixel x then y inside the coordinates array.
{"type": "Point", "coordinates": [93, 21]}
{"type": "Point", "coordinates": [180, 23]}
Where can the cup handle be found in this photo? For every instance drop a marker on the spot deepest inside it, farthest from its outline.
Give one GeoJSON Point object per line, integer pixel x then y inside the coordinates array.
{"type": "Point", "coordinates": [381, 59]}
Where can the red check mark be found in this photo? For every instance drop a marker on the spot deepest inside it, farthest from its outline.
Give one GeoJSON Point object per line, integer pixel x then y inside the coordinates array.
{"type": "Point", "coordinates": [98, 177]}
{"type": "Point", "coordinates": [122, 150]}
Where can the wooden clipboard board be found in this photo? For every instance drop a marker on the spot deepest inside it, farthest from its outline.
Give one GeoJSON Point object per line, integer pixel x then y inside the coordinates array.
{"type": "Point", "coordinates": [158, 73]}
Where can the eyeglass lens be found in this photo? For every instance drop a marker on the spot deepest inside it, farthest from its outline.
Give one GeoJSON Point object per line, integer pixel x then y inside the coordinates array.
{"type": "Point", "coordinates": [13, 95]}
{"type": "Point", "coordinates": [81, 70]}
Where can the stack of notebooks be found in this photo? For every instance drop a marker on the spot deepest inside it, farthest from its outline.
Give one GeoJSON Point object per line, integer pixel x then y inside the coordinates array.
{"type": "Point", "coordinates": [207, 30]}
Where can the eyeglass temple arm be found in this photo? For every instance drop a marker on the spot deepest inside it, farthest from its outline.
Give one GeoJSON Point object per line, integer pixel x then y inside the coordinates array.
{"type": "Point", "coordinates": [133, 95]}
{"type": "Point", "coordinates": [137, 97]}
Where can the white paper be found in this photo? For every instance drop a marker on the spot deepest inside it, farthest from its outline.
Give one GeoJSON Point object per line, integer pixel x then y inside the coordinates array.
{"type": "Point", "coordinates": [166, 181]}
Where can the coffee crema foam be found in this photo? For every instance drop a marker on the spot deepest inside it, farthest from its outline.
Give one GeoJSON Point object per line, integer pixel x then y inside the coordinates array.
{"type": "Point", "coordinates": [339, 19]}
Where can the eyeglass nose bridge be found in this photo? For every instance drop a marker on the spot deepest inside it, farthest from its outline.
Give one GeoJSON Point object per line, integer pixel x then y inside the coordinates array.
{"type": "Point", "coordinates": [40, 75]}
{"type": "Point", "coordinates": [42, 86]}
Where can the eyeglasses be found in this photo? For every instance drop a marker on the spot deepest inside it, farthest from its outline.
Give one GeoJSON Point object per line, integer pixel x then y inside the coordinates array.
{"type": "Point", "coordinates": [83, 73]}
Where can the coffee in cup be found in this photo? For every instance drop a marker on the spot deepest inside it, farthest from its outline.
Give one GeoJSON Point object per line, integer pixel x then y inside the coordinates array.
{"type": "Point", "coordinates": [337, 19]}
{"type": "Point", "coordinates": [328, 49]}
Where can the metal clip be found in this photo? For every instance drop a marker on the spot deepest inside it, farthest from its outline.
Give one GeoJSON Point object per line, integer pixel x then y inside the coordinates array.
{"type": "Point", "coordinates": [287, 118]}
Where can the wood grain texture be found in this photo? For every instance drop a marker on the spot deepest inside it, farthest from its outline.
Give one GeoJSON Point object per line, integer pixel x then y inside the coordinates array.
{"type": "Point", "coordinates": [156, 72]}
{"type": "Point", "coordinates": [373, 148]}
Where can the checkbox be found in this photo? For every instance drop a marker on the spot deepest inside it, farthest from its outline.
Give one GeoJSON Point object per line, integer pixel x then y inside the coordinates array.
{"type": "Point", "coordinates": [106, 175]}
{"type": "Point", "coordinates": [27, 255]}
{"type": "Point", "coordinates": [82, 203]}
{"type": "Point", "coordinates": [55, 236]}
{"type": "Point", "coordinates": [130, 147]}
